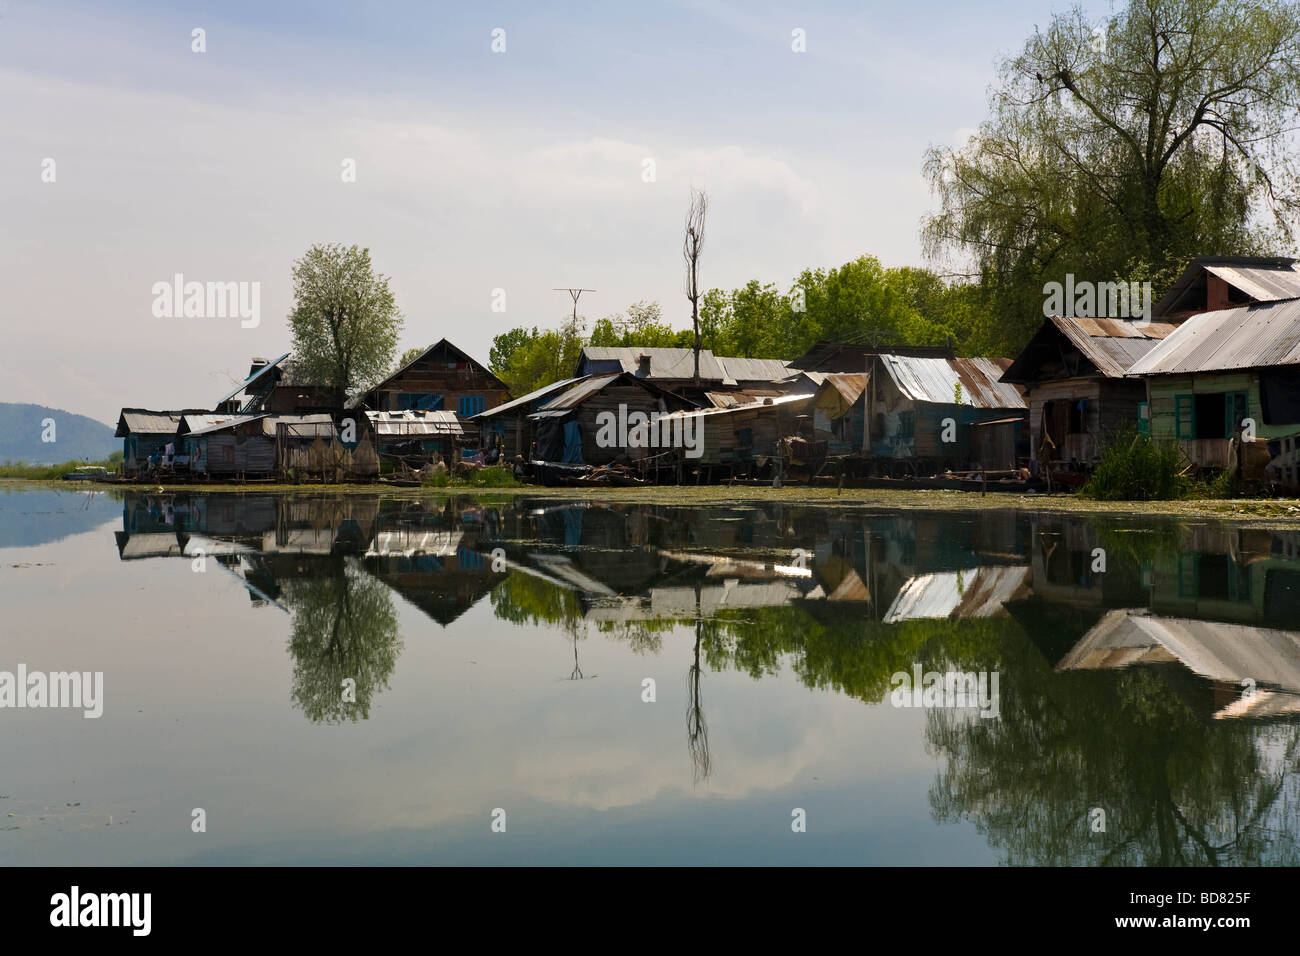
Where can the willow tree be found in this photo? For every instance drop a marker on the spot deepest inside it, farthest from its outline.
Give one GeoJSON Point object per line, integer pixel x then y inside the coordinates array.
{"type": "Point", "coordinates": [345, 320]}
{"type": "Point", "coordinates": [1120, 150]}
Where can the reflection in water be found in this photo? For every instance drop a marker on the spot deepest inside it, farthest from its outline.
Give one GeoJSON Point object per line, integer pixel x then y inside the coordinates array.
{"type": "Point", "coordinates": [1161, 686]}
{"type": "Point", "coordinates": [344, 641]}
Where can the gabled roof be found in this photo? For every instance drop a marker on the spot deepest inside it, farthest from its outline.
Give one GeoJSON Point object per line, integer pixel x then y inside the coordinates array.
{"type": "Point", "coordinates": [935, 380]}
{"type": "Point", "coordinates": [1253, 336]}
{"type": "Point", "coordinates": [143, 421]}
{"type": "Point", "coordinates": [423, 356]}
{"type": "Point", "coordinates": [1262, 278]}
{"type": "Point", "coordinates": [1111, 346]}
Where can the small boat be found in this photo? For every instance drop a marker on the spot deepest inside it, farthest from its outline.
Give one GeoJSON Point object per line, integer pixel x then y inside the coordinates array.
{"type": "Point", "coordinates": [87, 473]}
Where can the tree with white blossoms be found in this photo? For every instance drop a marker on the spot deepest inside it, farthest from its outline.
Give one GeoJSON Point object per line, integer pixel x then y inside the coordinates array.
{"type": "Point", "coordinates": [345, 320]}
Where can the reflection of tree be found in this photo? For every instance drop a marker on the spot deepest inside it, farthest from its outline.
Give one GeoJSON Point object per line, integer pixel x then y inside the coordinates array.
{"type": "Point", "coordinates": [344, 626]}
{"type": "Point", "coordinates": [527, 599]}
{"type": "Point", "coordinates": [697, 729]}
{"type": "Point", "coordinates": [1176, 788]}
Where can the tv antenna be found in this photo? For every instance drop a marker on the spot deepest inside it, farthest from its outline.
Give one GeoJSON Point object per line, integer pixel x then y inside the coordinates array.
{"type": "Point", "coordinates": [574, 294]}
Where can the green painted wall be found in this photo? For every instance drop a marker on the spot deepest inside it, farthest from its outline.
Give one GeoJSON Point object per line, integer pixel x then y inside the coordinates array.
{"type": "Point", "coordinates": [1165, 388]}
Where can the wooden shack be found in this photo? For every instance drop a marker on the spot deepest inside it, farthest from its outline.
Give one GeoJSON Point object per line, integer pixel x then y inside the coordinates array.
{"type": "Point", "coordinates": [509, 427]}
{"type": "Point", "coordinates": [146, 433]}
{"type": "Point", "coordinates": [414, 437]}
{"type": "Point", "coordinates": [743, 439]}
{"type": "Point", "coordinates": [227, 446]}
{"type": "Point", "coordinates": [569, 425]}
{"type": "Point", "coordinates": [1224, 374]}
{"type": "Point", "coordinates": [1073, 373]}
{"type": "Point", "coordinates": [921, 411]}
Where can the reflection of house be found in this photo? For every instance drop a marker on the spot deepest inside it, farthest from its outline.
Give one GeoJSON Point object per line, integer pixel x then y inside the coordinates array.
{"type": "Point", "coordinates": [975, 592]}
{"type": "Point", "coordinates": [1073, 374]}
{"type": "Point", "coordinates": [1231, 574]}
{"type": "Point", "coordinates": [1263, 663]}
{"type": "Point", "coordinates": [922, 408]}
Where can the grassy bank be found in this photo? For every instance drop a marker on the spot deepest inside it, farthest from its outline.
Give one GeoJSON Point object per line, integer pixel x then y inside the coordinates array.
{"type": "Point", "coordinates": [1273, 511]}
{"type": "Point", "coordinates": [12, 470]}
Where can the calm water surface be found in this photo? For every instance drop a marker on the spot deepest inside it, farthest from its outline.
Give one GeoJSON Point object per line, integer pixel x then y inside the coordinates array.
{"type": "Point", "coordinates": [501, 654]}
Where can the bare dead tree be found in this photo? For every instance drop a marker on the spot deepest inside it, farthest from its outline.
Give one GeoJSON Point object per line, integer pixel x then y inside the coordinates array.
{"type": "Point", "coordinates": [692, 246]}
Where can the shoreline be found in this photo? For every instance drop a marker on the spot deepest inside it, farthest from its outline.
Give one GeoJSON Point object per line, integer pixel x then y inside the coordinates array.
{"type": "Point", "coordinates": [1285, 510]}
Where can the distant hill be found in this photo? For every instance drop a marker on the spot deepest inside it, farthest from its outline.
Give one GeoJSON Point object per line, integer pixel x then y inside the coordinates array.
{"type": "Point", "coordinates": [76, 437]}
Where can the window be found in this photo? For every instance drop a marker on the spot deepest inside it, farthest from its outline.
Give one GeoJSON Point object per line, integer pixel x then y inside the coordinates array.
{"type": "Point", "coordinates": [1144, 418]}
{"type": "Point", "coordinates": [468, 405]}
{"type": "Point", "coordinates": [1184, 416]}
{"type": "Point", "coordinates": [418, 400]}
{"type": "Point", "coordinates": [1078, 417]}
{"type": "Point", "coordinates": [1211, 415]}
{"type": "Point", "coordinates": [1237, 408]}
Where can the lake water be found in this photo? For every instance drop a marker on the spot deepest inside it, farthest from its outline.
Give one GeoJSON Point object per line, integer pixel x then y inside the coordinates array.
{"type": "Point", "coordinates": [369, 679]}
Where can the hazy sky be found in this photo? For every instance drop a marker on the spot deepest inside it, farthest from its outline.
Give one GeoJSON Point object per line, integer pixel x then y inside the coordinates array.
{"type": "Point", "coordinates": [475, 170]}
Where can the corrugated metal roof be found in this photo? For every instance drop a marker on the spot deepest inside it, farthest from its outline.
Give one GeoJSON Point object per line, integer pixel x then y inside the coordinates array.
{"type": "Point", "coordinates": [526, 400]}
{"type": "Point", "coordinates": [849, 384]}
{"type": "Point", "coordinates": [303, 426]}
{"type": "Point", "coordinates": [1112, 345]}
{"type": "Point", "coordinates": [1252, 336]}
{"type": "Point", "coordinates": [206, 424]}
{"type": "Point", "coordinates": [576, 395]}
{"type": "Point", "coordinates": [935, 380]}
{"type": "Point", "coordinates": [1266, 279]}
{"type": "Point", "coordinates": [751, 370]}
{"type": "Point", "coordinates": [415, 422]}
{"type": "Point", "coordinates": [665, 363]}
{"type": "Point", "coordinates": [141, 421]}
{"type": "Point", "coordinates": [1266, 284]}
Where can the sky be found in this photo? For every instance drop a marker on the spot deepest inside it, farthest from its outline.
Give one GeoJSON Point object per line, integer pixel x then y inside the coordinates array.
{"type": "Point", "coordinates": [519, 169]}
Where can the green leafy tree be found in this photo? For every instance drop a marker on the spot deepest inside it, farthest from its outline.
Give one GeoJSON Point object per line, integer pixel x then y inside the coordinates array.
{"type": "Point", "coordinates": [505, 345]}
{"type": "Point", "coordinates": [345, 320]}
